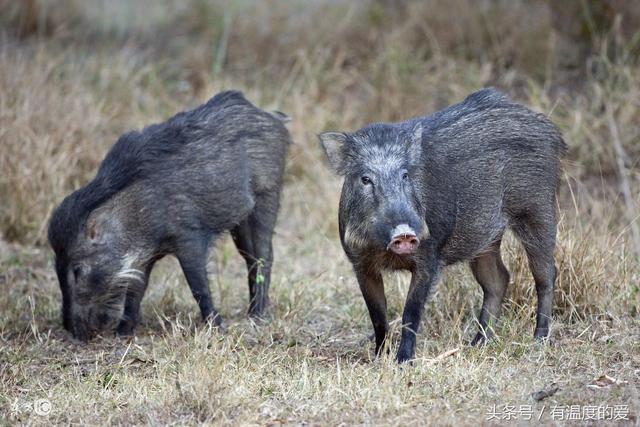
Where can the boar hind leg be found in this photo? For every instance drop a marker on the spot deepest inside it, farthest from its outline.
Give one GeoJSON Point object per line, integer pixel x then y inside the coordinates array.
{"type": "Point", "coordinates": [262, 221]}
{"type": "Point", "coordinates": [493, 277]}
{"type": "Point", "coordinates": [372, 288]}
{"type": "Point", "coordinates": [537, 234]}
{"type": "Point", "coordinates": [193, 260]}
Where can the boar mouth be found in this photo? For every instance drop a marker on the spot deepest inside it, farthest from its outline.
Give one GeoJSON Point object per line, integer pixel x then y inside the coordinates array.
{"type": "Point", "coordinates": [80, 332]}
{"type": "Point", "coordinates": [100, 314]}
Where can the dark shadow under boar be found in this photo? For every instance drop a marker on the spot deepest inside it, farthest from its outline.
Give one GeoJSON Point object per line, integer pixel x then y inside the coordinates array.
{"type": "Point", "coordinates": [433, 191]}
{"type": "Point", "coordinates": [171, 189]}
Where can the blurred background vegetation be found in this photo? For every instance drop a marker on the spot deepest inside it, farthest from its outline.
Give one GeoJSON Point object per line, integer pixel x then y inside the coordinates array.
{"type": "Point", "coordinates": [75, 74]}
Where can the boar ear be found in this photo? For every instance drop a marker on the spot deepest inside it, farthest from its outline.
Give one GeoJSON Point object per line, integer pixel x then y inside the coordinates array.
{"type": "Point", "coordinates": [334, 144]}
{"type": "Point", "coordinates": [92, 229]}
{"type": "Point", "coordinates": [415, 143]}
{"type": "Point", "coordinates": [100, 227]}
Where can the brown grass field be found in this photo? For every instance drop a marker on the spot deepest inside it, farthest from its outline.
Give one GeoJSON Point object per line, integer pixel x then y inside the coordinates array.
{"type": "Point", "coordinates": [75, 75]}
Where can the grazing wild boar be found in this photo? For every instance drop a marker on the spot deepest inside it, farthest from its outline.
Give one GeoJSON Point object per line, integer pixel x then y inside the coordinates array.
{"type": "Point", "coordinates": [432, 191]}
{"type": "Point", "coordinates": [171, 189]}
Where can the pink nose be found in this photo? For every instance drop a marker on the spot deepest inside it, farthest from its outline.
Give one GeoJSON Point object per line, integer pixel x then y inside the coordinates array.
{"type": "Point", "coordinates": [404, 244]}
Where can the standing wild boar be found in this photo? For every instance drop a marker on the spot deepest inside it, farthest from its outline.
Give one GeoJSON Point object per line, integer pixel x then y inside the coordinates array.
{"type": "Point", "coordinates": [436, 190]}
{"type": "Point", "coordinates": [171, 189]}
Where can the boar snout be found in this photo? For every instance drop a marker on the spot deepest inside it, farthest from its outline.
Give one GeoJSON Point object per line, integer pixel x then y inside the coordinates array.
{"type": "Point", "coordinates": [80, 332]}
{"type": "Point", "coordinates": [403, 240]}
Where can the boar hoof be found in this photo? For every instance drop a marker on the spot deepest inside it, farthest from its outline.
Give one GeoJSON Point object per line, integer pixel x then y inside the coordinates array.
{"type": "Point", "coordinates": [257, 313]}
{"type": "Point", "coordinates": [125, 330]}
{"type": "Point", "coordinates": [215, 320]}
{"type": "Point", "coordinates": [541, 334]}
{"type": "Point", "coordinates": [404, 356]}
{"type": "Point", "coordinates": [479, 340]}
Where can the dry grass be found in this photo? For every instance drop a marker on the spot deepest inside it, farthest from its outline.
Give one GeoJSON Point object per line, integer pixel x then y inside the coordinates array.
{"type": "Point", "coordinates": [66, 95]}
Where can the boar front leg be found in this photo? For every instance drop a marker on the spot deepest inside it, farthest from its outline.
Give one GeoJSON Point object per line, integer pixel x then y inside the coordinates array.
{"type": "Point", "coordinates": [424, 278]}
{"type": "Point", "coordinates": [372, 288]}
{"type": "Point", "coordinates": [131, 315]}
{"type": "Point", "coordinates": [241, 235]}
{"type": "Point", "coordinates": [193, 260]}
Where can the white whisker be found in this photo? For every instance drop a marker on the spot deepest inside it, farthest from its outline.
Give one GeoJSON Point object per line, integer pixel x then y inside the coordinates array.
{"type": "Point", "coordinates": [130, 276]}
{"type": "Point", "coordinates": [132, 271]}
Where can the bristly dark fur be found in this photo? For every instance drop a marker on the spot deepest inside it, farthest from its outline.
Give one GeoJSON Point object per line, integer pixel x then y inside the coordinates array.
{"type": "Point", "coordinates": [483, 101]}
{"type": "Point", "coordinates": [171, 189]}
{"type": "Point", "coordinates": [130, 159]}
{"type": "Point", "coordinates": [465, 174]}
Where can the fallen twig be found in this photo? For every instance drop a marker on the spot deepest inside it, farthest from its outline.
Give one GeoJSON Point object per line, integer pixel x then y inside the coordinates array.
{"type": "Point", "coordinates": [442, 356]}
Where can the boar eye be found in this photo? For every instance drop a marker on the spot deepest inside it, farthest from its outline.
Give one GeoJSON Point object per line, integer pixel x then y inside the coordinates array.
{"type": "Point", "coordinates": [366, 180]}
{"type": "Point", "coordinates": [405, 176]}
{"type": "Point", "coordinates": [77, 271]}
